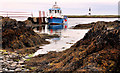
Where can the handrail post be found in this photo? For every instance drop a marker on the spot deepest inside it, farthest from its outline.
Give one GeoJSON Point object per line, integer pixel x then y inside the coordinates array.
{"type": "Point", "coordinates": [40, 21]}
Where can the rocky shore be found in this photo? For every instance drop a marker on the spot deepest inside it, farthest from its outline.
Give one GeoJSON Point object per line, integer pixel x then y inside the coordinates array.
{"type": "Point", "coordinates": [12, 62]}
{"type": "Point", "coordinates": [16, 36]}
{"type": "Point", "coordinates": [99, 50]}
{"type": "Point", "coordinates": [19, 42]}
{"type": "Point", "coordinates": [90, 25]}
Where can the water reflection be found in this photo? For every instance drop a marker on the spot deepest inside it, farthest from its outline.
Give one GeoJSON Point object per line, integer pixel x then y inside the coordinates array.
{"type": "Point", "coordinates": [67, 37]}
{"type": "Point", "coordinates": [56, 39]}
{"type": "Point", "coordinates": [56, 31]}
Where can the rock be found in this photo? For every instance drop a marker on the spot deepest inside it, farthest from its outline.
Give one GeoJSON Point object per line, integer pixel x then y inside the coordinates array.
{"type": "Point", "coordinates": [1, 57]}
{"type": "Point", "coordinates": [19, 66]}
{"type": "Point", "coordinates": [5, 69]}
{"type": "Point", "coordinates": [7, 56]}
{"type": "Point", "coordinates": [22, 66]}
{"type": "Point", "coordinates": [99, 50]}
{"type": "Point", "coordinates": [9, 61]}
{"type": "Point", "coordinates": [16, 35]}
{"type": "Point", "coordinates": [14, 64]}
{"type": "Point", "coordinates": [11, 67]}
{"type": "Point", "coordinates": [25, 69]}
{"type": "Point", "coordinates": [10, 56]}
{"type": "Point", "coordinates": [27, 57]}
{"type": "Point", "coordinates": [63, 47]}
{"type": "Point", "coordinates": [21, 62]}
{"type": "Point", "coordinates": [1, 61]}
{"type": "Point", "coordinates": [0, 68]}
{"type": "Point", "coordinates": [11, 70]}
{"type": "Point", "coordinates": [90, 25]}
{"type": "Point", "coordinates": [8, 64]}
{"type": "Point", "coordinates": [18, 69]}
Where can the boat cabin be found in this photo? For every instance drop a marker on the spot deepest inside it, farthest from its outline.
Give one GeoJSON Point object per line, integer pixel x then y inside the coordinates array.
{"type": "Point", "coordinates": [55, 11]}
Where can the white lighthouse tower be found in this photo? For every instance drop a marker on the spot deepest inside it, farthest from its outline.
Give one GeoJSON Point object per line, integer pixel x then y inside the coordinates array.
{"type": "Point", "coordinates": [89, 12]}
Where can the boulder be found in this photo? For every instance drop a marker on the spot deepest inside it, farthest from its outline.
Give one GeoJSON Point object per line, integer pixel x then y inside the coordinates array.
{"type": "Point", "coordinates": [16, 35]}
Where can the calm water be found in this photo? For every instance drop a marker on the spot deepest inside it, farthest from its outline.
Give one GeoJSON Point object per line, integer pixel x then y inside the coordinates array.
{"type": "Point", "coordinates": [69, 36]}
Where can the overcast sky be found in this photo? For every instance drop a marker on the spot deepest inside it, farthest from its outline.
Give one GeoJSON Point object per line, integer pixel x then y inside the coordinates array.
{"type": "Point", "coordinates": [74, 7]}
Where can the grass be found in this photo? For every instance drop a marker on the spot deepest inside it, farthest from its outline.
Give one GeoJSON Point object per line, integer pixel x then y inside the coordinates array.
{"type": "Point", "coordinates": [2, 50]}
{"type": "Point", "coordinates": [30, 55]}
{"type": "Point", "coordinates": [27, 59]}
{"type": "Point", "coordinates": [33, 68]}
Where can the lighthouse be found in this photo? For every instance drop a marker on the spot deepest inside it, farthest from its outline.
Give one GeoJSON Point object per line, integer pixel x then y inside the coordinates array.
{"type": "Point", "coordinates": [89, 12]}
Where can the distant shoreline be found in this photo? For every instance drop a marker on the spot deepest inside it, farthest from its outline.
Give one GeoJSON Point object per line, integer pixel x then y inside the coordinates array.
{"type": "Point", "coordinates": [93, 16]}
{"type": "Point", "coordinates": [86, 16]}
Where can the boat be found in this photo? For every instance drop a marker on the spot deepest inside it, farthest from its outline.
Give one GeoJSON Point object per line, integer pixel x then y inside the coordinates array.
{"type": "Point", "coordinates": [55, 19]}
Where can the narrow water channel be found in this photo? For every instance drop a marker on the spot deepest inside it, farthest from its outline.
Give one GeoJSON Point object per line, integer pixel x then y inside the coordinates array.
{"type": "Point", "coordinates": [69, 36]}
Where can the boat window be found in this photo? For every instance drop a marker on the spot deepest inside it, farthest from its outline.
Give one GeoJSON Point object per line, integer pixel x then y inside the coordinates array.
{"type": "Point", "coordinates": [58, 11]}
{"type": "Point", "coordinates": [50, 11]}
{"type": "Point", "coordinates": [55, 11]}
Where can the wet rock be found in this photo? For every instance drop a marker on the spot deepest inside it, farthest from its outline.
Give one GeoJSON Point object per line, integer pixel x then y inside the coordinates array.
{"type": "Point", "coordinates": [90, 25]}
{"type": "Point", "coordinates": [8, 64]}
{"type": "Point", "coordinates": [4, 69]}
{"type": "Point", "coordinates": [1, 61]}
{"type": "Point", "coordinates": [19, 66]}
{"type": "Point", "coordinates": [83, 26]}
{"type": "Point", "coordinates": [21, 62]}
{"type": "Point", "coordinates": [14, 64]}
{"type": "Point", "coordinates": [97, 51]}
{"type": "Point", "coordinates": [16, 35]}
{"type": "Point", "coordinates": [18, 69]}
{"type": "Point", "coordinates": [27, 57]}
{"type": "Point", "coordinates": [1, 57]}
{"type": "Point", "coordinates": [12, 68]}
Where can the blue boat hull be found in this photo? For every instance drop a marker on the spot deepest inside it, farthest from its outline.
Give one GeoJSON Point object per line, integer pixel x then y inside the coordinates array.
{"type": "Point", "coordinates": [55, 20]}
{"type": "Point", "coordinates": [55, 27]}
{"type": "Point", "coordinates": [55, 23]}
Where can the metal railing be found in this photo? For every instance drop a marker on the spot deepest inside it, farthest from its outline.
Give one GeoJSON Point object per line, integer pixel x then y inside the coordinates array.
{"type": "Point", "coordinates": [15, 14]}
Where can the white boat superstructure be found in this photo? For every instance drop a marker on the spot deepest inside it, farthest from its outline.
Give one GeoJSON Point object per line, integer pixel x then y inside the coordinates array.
{"type": "Point", "coordinates": [55, 11]}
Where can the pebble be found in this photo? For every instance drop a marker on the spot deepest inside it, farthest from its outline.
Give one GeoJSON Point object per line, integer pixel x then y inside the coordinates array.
{"type": "Point", "coordinates": [27, 57]}
{"type": "Point", "coordinates": [0, 64]}
{"type": "Point", "coordinates": [1, 57]}
{"type": "Point", "coordinates": [7, 56]}
{"type": "Point", "coordinates": [18, 69]}
{"type": "Point", "coordinates": [11, 70]}
{"type": "Point", "coordinates": [7, 64]}
{"type": "Point", "coordinates": [6, 69]}
{"type": "Point", "coordinates": [19, 66]}
{"type": "Point", "coordinates": [21, 62]}
{"type": "Point", "coordinates": [14, 64]}
{"type": "Point", "coordinates": [1, 61]}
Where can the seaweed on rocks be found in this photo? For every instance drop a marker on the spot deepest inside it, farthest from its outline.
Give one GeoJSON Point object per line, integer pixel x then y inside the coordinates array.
{"type": "Point", "coordinates": [16, 35]}
{"type": "Point", "coordinates": [90, 25]}
{"type": "Point", "coordinates": [99, 50]}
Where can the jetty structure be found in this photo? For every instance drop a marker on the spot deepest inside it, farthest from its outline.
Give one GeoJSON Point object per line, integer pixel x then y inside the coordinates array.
{"type": "Point", "coordinates": [55, 19]}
